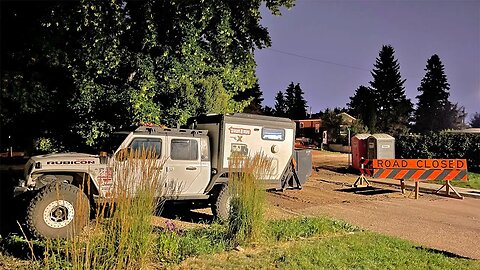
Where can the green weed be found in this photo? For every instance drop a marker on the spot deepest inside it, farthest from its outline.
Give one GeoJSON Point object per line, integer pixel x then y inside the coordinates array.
{"type": "Point", "coordinates": [121, 237]}
{"type": "Point", "coordinates": [359, 250]}
{"type": "Point", "coordinates": [246, 220]}
{"type": "Point", "coordinates": [282, 230]}
{"type": "Point", "coordinates": [175, 246]}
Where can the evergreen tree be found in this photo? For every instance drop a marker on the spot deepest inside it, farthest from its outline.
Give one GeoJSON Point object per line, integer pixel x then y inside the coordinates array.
{"type": "Point", "coordinates": [280, 108]}
{"type": "Point", "coordinates": [290, 99]}
{"type": "Point", "coordinates": [296, 105]}
{"type": "Point", "coordinates": [475, 121]}
{"type": "Point", "coordinates": [254, 96]}
{"type": "Point", "coordinates": [434, 111]}
{"type": "Point", "coordinates": [393, 108]}
{"type": "Point", "coordinates": [268, 111]}
{"type": "Point", "coordinates": [363, 106]}
{"type": "Point", "coordinates": [299, 109]}
{"type": "Point", "coordinates": [455, 115]}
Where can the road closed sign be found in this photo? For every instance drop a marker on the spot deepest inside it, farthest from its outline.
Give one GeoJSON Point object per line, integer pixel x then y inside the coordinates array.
{"type": "Point", "coordinates": [420, 163]}
{"type": "Point", "coordinates": [420, 169]}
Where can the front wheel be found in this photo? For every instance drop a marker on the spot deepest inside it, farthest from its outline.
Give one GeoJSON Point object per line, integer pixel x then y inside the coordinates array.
{"type": "Point", "coordinates": [59, 210]}
{"type": "Point", "coordinates": [221, 204]}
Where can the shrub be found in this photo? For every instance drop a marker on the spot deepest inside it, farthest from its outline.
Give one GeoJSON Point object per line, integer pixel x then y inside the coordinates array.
{"type": "Point", "coordinates": [121, 237]}
{"type": "Point", "coordinates": [246, 219]}
{"type": "Point", "coordinates": [441, 145]}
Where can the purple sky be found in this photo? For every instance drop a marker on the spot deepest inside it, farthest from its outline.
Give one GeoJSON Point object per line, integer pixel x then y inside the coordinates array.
{"type": "Point", "coordinates": [329, 47]}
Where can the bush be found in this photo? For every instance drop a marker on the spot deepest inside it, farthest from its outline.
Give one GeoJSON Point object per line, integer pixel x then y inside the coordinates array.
{"type": "Point", "coordinates": [441, 145]}
{"type": "Point", "coordinates": [121, 237]}
{"type": "Point", "coordinates": [246, 219]}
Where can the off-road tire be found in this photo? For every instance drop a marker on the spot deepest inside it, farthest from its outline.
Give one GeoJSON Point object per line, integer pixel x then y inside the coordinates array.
{"type": "Point", "coordinates": [221, 204]}
{"type": "Point", "coordinates": [59, 210]}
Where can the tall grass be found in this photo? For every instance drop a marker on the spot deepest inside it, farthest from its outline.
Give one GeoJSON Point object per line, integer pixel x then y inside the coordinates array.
{"type": "Point", "coordinates": [246, 220]}
{"type": "Point", "coordinates": [121, 237]}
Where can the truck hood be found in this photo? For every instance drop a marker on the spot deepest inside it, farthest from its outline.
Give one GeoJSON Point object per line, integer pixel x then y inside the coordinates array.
{"type": "Point", "coordinates": [66, 159]}
{"type": "Point", "coordinates": [64, 156]}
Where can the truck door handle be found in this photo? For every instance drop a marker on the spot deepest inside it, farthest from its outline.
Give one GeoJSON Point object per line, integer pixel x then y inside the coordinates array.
{"type": "Point", "coordinates": [191, 168]}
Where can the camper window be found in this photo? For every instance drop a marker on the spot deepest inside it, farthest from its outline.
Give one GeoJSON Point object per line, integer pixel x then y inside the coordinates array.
{"type": "Point", "coordinates": [273, 134]}
{"type": "Point", "coordinates": [184, 149]}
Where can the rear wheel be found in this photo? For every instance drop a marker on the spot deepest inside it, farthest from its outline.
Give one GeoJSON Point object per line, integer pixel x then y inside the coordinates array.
{"type": "Point", "coordinates": [59, 210]}
{"type": "Point", "coordinates": [221, 204]}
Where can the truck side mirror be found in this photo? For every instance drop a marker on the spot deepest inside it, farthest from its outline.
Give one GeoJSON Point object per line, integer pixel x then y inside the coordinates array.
{"type": "Point", "coordinates": [103, 157]}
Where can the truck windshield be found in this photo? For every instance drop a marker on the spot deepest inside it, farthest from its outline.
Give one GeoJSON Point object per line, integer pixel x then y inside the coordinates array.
{"type": "Point", "coordinates": [112, 143]}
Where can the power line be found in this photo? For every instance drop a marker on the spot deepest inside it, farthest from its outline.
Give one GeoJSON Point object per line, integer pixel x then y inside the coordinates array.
{"type": "Point", "coordinates": [317, 60]}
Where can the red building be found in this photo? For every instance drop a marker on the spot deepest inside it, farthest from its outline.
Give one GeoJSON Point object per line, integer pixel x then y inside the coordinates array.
{"type": "Point", "coordinates": [309, 131]}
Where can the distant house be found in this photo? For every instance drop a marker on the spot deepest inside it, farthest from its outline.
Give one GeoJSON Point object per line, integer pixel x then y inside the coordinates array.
{"type": "Point", "coordinates": [308, 127]}
{"type": "Point", "coordinates": [310, 130]}
{"type": "Point", "coordinates": [347, 121]}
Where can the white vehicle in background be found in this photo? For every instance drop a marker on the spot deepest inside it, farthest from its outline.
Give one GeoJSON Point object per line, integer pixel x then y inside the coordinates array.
{"type": "Point", "coordinates": [196, 158]}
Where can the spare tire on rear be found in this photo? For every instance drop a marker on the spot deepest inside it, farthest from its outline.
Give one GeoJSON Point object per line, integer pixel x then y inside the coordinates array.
{"type": "Point", "coordinates": [59, 210]}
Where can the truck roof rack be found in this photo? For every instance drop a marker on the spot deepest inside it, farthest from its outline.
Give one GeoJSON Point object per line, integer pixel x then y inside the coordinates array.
{"type": "Point", "coordinates": [162, 130]}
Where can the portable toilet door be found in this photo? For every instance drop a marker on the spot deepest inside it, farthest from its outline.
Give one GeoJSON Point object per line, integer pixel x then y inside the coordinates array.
{"type": "Point", "coordinates": [381, 146]}
{"type": "Point", "coordinates": [371, 147]}
{"type": "Point", "coordinates": [359, 149]}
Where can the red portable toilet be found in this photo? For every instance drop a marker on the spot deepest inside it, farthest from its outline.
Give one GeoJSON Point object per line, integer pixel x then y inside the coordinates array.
{"type": "Point", "coordinates": [359, 149]}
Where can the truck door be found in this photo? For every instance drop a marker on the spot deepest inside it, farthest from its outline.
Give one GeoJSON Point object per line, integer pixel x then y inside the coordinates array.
{"type": "Point", "coordinates": [184, 166]}
{"type": "Point", "coordinates": [151, 148]}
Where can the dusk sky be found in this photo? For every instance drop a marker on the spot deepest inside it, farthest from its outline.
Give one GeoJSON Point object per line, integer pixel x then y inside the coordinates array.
{"type": "Point", "coordinates": [329, 47]}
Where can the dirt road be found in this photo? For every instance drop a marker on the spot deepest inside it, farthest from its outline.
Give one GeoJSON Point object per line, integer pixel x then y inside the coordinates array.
{"type": "Point", "coordinates": [441, 223]}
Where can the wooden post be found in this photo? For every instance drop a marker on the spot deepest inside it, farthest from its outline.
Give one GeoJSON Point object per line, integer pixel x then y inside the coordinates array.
{"type": "Point", "coordinates": [402, 185]}
{"type": "Point", "coordinates": [447, 188]}
{"type": "Point", "coordinates": [417, 189]}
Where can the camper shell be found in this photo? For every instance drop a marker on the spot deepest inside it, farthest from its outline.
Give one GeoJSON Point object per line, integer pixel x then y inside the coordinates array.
{"type": "Point", "coordinates": [247, 134]}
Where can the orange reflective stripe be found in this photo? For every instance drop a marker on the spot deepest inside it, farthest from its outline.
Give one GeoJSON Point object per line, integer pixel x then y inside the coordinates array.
{"type": "Point", "coordinates": [420, 163]}
{"type": "Point", "coordinates": [434, 175]}
{"type": "Point", "coordinates": [451, 175]}
{"type": "Point", "coordinates": [401, 174]}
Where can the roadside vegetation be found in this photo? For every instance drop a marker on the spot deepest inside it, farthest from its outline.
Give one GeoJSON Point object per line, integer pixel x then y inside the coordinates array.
{"type": "Point", "coordinates": [353, 250]}
{"type": "Point", "coordinates": [301, 243]}
{"type": "Point", "coordinates": [473, 181]}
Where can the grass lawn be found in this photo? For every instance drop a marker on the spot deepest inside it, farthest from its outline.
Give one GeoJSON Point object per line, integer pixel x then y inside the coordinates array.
{"type": "Point", "coordinates": [473, 181]}
{"type": "Point", "coordinates": [356, 250]}
{"type": "Point", "coordinates": [302, 243]}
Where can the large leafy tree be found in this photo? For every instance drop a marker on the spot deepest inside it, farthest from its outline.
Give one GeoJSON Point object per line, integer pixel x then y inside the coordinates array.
{"type": "Point", "coordinates": [434, 110]}
{"type": "Point", "coordinates": [95, 66]}
{"type": "Point", "coordinates": [393, 108]}
{"type": "Point", "coordinates": [363, 105]}
{"type": "Point", "coordinates": [332, 121]}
